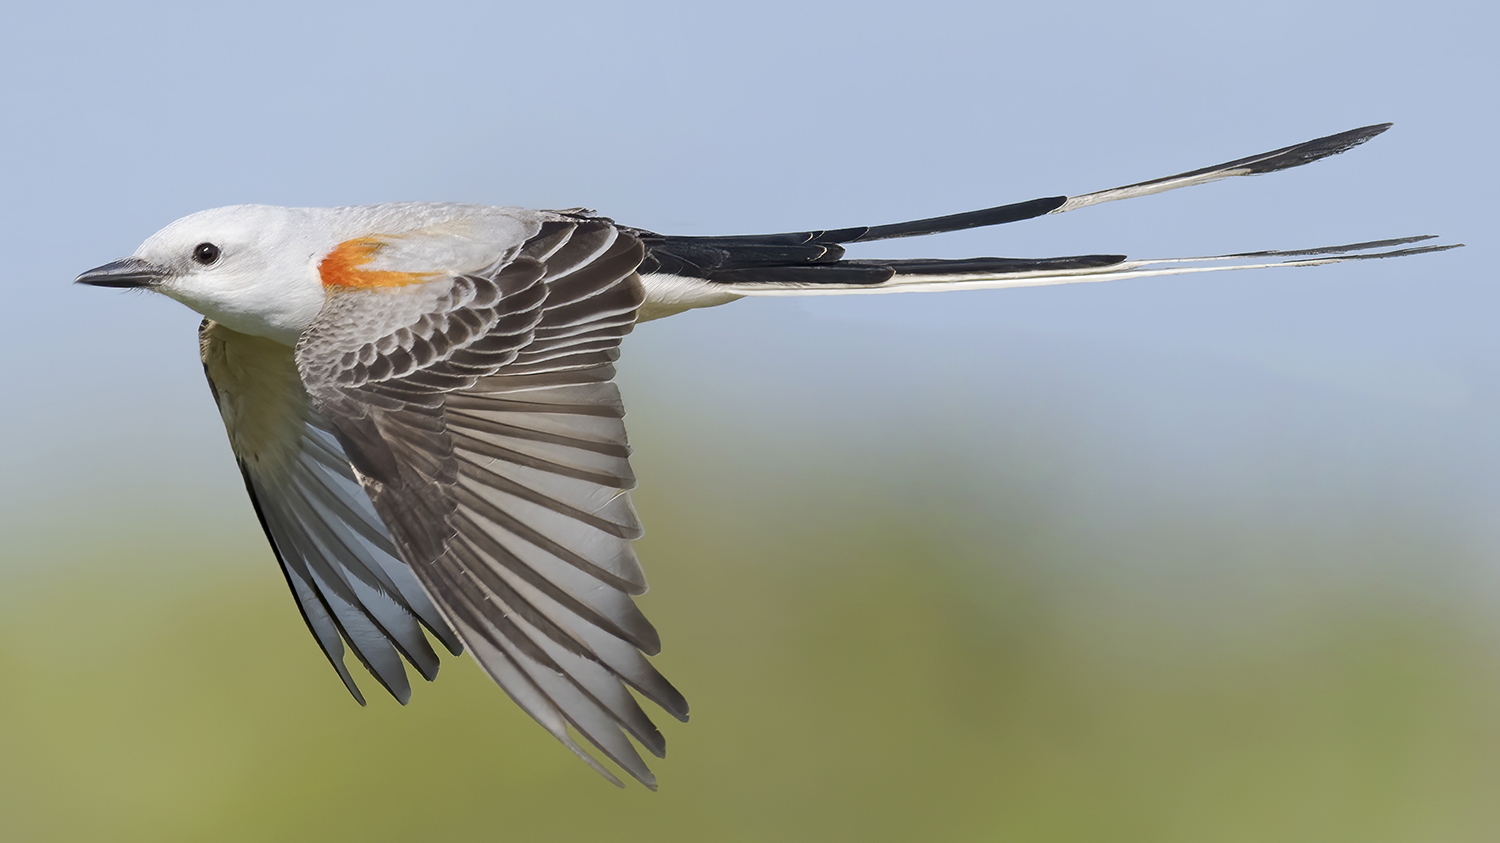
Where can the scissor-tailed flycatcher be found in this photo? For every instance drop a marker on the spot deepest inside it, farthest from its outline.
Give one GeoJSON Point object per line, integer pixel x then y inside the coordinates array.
{"type": "Point", "coordinates": [420, 397]}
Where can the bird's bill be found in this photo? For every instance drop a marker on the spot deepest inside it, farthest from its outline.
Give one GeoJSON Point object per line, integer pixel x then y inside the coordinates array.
{"type": "Point", "coordinates": [125, 272]}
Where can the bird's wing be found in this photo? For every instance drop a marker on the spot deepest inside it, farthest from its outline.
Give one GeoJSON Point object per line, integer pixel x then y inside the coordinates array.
{"type": "Point", "coordinates": [480, 414]}
{"type": "Point", "coordinates": [347, 577]}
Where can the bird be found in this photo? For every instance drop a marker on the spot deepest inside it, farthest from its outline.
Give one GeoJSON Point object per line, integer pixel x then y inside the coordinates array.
{"type": "Point", "coordinates": [421, 400]}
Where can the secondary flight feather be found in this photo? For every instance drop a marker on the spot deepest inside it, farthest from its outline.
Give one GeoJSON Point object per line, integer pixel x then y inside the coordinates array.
{"type": "Point", "coordinates": [421, 400]}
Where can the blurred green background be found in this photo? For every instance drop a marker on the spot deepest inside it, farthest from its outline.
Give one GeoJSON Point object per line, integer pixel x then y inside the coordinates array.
{"type": "Point", "coordinates": [890, 646]}
{"type": "Point", "coordinates": [1178, 559]}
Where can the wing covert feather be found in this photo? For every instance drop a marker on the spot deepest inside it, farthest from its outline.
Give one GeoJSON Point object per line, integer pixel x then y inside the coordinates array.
{"type": "Point", "coordinates": [485, 427]}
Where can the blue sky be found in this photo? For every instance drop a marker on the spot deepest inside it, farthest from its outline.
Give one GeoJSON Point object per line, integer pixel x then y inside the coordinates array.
{"type": "Point", "coordinates": [699, 118]}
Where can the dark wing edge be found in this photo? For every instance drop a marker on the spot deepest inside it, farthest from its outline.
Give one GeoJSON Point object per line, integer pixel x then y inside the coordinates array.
{"type": "Point", "coordinates": [338, 560]}
{"type": "Point", "coordinates": [490, 438]}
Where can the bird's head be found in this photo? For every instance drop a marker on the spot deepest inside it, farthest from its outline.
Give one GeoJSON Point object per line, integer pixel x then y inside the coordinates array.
{"type": "Point", "coordinates": [253, 268]}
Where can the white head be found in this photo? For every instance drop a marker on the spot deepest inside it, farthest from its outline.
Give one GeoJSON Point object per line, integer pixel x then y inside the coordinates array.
{"type": "Point", "coordinates": [265, 271]}
{"type": "Point", "coordinates": [253, 268]}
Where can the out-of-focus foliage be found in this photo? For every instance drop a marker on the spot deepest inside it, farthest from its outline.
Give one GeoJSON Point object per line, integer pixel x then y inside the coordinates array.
{"type": "Point", "coordinates": [863, 664]}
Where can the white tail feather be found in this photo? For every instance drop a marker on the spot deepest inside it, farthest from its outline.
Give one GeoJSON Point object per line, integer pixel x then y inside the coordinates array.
{"type": "Point", "coordinates": [1113, 272]}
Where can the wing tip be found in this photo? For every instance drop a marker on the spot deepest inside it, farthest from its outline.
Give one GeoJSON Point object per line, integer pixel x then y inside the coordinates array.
{"type": "Point", "coordinates": [354, 691]}
{"type": "Point", "coordinates": [669, 699]}
{"type": "Point", "coordinates": [396, 684]}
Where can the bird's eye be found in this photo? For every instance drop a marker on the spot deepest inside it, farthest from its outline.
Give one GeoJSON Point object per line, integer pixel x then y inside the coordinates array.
{"type": "Point", "coordinates": [205, 253]}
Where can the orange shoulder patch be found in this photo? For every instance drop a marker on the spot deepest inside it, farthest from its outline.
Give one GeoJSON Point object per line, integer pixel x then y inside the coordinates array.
{"type": "Point", "coordinates": [344, 267]}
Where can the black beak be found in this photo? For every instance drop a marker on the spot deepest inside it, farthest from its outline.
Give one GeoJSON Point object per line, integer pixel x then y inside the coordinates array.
{"type": "Point", "coordinates": [125, 272]}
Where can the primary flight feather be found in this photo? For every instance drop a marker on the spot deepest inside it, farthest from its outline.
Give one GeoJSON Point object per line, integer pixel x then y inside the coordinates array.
{"type": "Point", "coordinates": [421, 400]}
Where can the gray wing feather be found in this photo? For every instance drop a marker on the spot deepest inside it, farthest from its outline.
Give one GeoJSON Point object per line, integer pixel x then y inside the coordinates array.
{"type": "Point", "coordinates": [332, 585]}
{"type": "Point", "coordinates": [340, 563]}
{"type": "Point", "coordinates": [490, 438]}
{"type": "Point", "coordinates": [332, 543]}
{"type": "Point", "coordinates": [314, 608]}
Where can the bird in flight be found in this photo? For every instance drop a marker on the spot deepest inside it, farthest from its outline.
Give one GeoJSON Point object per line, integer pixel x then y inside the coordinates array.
{"type": "Point", "coordinates": [420, 397]}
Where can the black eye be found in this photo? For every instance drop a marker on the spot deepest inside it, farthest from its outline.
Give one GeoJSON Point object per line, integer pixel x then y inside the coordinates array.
{"type": "Point", "coordinates": [205, 253]}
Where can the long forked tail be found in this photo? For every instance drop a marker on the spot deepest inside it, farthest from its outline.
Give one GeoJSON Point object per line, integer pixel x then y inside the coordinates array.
{"type": "Point", "coordinates": [992, 273]}
{"type": "Point", "coordinates": [709, 270]}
